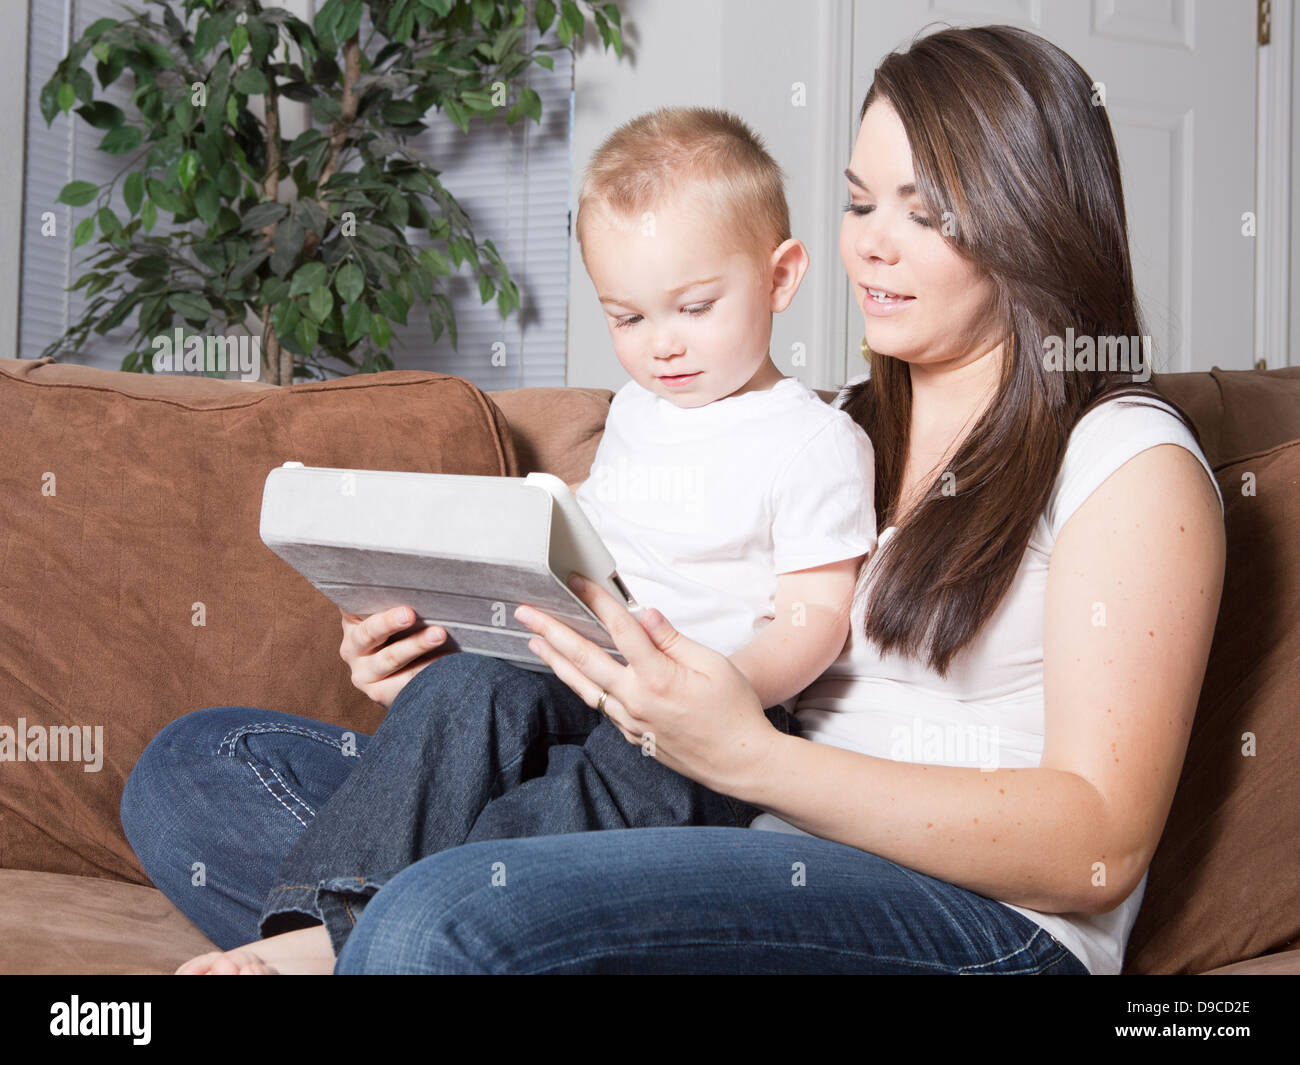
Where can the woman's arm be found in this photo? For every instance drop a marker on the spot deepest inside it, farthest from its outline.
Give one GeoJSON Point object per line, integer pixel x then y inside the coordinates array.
{"type": "Point", "coordinates": [1132, 597]}
{"type": "Point", "coordinates": [1148, 545]}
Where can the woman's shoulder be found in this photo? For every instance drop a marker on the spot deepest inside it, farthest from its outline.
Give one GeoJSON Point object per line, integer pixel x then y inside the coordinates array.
{"type": "Point", "coordinates": [1108, 436]}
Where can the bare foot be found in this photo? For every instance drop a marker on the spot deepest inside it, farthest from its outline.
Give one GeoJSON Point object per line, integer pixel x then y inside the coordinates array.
{"type": "Point", "coordinates": [238, 962]}
{"type": "Point", "coordinates": [302, 952]}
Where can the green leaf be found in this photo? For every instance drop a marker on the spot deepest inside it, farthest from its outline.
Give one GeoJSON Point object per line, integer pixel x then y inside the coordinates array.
{"type": "Point", "coordinates": [288, 239]}
{"type": "Point", "coordinates": [133, 191]}
{"type": "Point", "coordinates": [77, 193]}
{"type": "Point", "coordinates": [356, 323]}
{"type": "Point", "coordinates": [274, 290]}
{"type": "Point", "coordinates": [207, 201]}
{"type": "Point", "coordinates": [251, 82]}
{"type": "Point", "coordinates": [380, 331]}
{"type": "Point", "coordinates": [187, 168]}
{"type": "Point", "coordinates": [49, 101]}
{"type": "Point", "coordinates": [263, 215]}
{"type": "Point", "coordinates": [238, 41]}
{"type": "Point", "coordinates": [545, 14]}
{"type": "Point", "coordinates": [101, 115]}
{"type": "Point", "coordinates": [163, 197]}
{"type": "Point", "coordinates": [326, 109]}
{"type": "Point", "coordinates": [96, 28]}
{"type": "Point", "coordinates": [456, 113]}
{"type": "Point", "coordinates": [321, 302]}
{"type": "Point", "coordinates": [157, 54]}
{"type": "Point", "coordinates": [392, 304]}
{"type": "Point", "coordinates": [349, 282]}
{"type": "Point", "coordinates": [307, 277]}
{"type": "Point", "coordinates": [530, 103]}
{"type": "Point", "coordinates": [148, 215]}
{"type": "Point", "coordinates": [350, 20]}
{"type": "Point", "coordinates": [84, 231]}
{"type": "Point", "coordinates": [152, 266]}
{"type": "Point", "coordinates": [247, 267]}
{"type": "Point", "coordinates": [286, 318]}
{"type": "Point", "coordinates": [307, 334]}
{"type": "Point", "coordinates": [190, 305]}
{"type": "Point", "coordinates": [121, 139]}
{"type": "Point", "coordinates": [108, 221]}
{"type": "Point", "coordinates": [228, 180]}
{"type": "Point", "coordinates": [67, 97]}
{"type": "Point", "coordinates": [435, 262]}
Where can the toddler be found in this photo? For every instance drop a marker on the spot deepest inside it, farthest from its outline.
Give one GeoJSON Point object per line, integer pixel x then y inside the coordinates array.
{"type": "Point", "coordinates": [732, 498]}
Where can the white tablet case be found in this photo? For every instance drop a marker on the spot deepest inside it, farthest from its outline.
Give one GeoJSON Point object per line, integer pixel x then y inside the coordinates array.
{"type": "Point", "coordinates": [462, 551]}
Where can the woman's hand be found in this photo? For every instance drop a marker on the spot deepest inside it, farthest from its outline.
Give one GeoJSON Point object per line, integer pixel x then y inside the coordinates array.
{"type": "Point", "coordinates": [381, 669]}
{"type": "Point", "coordinates": [681, 702]}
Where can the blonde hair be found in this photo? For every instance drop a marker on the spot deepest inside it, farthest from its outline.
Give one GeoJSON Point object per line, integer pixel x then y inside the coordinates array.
{"type": "Point", "coordinates": [710, 153]}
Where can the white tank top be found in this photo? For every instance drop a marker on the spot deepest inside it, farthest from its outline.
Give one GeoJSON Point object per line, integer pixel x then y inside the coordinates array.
{"type": "Point", "coordinates": [989, 711]}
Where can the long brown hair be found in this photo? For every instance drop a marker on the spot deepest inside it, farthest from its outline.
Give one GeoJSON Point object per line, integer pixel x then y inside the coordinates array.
{"type": "Point", "coordinates": [1004, 134]}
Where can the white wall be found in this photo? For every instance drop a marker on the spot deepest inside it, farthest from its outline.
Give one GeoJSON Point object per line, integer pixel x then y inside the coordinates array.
{"type": "Point", "coordinates": [744, 56]}
{"type": "Point", "coordinates": [13, 87]}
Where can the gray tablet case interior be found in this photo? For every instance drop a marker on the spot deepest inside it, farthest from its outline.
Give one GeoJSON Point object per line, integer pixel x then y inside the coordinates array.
{"type": "Point", "coordinates": [462, 551]}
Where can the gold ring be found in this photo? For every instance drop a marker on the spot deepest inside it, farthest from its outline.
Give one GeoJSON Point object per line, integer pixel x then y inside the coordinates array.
{"type": "Point", "coordinates": [600, 703]}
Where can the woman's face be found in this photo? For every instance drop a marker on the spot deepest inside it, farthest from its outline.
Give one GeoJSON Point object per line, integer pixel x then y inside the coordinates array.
{"type": "Point", "coordinates": [941, 312]}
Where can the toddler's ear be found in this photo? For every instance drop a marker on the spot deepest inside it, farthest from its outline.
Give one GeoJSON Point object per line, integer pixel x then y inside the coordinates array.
{"type": "Point", "coordinates": [789, 263]}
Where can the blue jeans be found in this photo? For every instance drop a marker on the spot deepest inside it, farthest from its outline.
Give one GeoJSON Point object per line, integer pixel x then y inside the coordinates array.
{"type": "Point", "coordinates": [254, 822]}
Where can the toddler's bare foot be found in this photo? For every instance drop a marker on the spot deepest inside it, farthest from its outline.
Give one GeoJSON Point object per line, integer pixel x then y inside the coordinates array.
{"type": "Point", "coordinates": [302, 952]}
{"type": "Point", "coordinates": [238, 962]}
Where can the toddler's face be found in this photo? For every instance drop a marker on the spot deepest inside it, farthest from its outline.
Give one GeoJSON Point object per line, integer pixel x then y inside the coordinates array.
{"type": "Point", "coordinates": [690, 320]}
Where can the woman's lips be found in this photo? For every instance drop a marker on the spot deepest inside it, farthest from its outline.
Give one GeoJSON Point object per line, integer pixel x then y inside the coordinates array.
{"type": "Point", "coordinates": [883, 310]}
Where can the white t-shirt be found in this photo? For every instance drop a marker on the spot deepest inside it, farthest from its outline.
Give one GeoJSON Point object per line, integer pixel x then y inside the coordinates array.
{"type": "Point", "coordinates": [989, 711]}
{"type": "Point", "coordinates": [702, 508]}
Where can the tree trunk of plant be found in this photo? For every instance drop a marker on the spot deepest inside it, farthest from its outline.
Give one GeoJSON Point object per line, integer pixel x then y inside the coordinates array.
{"type": "Point", "coordinates": [274, 357]}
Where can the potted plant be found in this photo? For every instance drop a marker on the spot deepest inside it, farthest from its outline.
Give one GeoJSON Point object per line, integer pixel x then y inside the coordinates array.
{"type": "Point", "coordinates": [304, 239]}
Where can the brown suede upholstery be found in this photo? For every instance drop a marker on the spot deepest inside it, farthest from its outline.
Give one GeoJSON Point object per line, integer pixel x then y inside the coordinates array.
{"type": "Point", "coordinates": [158, 487]}
{"type": "Point", "coordinates": [1225, 881]}
{"type": "Point", "coordinates": [134, 587]}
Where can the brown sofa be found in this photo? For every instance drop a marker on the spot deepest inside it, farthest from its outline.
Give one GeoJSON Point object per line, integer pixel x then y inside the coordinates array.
{"type": "Point", "coordinates": [134, 589]}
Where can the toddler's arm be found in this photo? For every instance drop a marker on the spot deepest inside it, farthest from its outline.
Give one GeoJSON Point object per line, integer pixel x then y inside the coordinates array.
{"type": "Point", "coordinates": [806, 635]}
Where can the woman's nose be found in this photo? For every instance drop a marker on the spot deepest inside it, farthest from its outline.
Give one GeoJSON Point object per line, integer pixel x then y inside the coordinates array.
{"type": "Point", "coordinates": [873, 238]}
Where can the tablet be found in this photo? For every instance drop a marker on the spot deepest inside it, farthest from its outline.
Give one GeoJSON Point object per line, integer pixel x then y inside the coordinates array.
{"type": "Point", "coordinates": [462, 551]}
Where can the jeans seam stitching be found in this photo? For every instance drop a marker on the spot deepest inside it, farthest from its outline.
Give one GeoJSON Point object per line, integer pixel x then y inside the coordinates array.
{"type": "Point", "coordinates": [234, 735]}
{"type": "Point", "coordinates": [273, 795]}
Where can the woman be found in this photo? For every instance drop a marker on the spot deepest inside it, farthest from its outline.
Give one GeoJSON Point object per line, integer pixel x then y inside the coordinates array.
{"type": "Point", "coordinates": [984, 774]}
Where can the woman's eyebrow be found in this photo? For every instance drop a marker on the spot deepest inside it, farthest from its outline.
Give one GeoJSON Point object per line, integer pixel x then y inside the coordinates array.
{"type": "Point", "coordinates": [908, 189]}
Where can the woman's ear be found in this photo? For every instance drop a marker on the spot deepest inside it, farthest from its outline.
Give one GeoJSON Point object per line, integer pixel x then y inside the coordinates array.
{"type": "Point", "coordinates": [789, 264]}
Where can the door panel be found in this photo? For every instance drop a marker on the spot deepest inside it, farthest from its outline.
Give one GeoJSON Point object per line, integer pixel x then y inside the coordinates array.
{"type": "Point", "coordinates": [1179, 81]}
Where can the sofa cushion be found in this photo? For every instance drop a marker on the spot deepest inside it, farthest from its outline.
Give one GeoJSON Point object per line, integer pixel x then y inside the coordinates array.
{"type": "Point", "coordinates": [556, 430]}
{"type": "Point", "coordinates": [1224, 884]}
{"type": "Point", "coordinates": [1237, 412]}
{"type": "Point", "coordinates": [134, 587]}
{"type": "Point", "coordinates": [54, 923]}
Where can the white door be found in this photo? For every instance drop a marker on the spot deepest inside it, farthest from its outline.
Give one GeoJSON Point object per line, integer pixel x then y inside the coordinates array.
{"type": "Point", "coordinates": [1180, 79]}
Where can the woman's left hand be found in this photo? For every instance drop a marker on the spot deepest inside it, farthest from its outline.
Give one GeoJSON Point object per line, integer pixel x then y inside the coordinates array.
{"type": "Point", "coordinates": [681, 702]}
